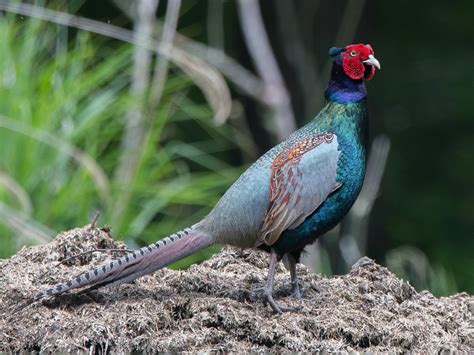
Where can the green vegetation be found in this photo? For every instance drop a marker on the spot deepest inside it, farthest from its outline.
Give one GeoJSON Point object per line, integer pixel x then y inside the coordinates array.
{"type": "Point", "coordinates": [62, 106]}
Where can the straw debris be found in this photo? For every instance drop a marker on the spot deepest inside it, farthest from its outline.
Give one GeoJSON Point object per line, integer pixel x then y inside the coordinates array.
{"type": "Point", "coordinates": [216, 306]}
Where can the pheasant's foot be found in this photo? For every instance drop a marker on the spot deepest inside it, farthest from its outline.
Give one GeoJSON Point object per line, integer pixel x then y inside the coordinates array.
{"type": "Point", "coordinates": [275, 306]}
{"type": "Point", "coordinates": [267, 292]}
{"type": "Point", "coordinates": [297, 291]}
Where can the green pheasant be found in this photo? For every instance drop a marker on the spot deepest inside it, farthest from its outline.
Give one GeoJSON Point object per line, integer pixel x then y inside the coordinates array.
{"type": "Point", "coordinates": [289, 197]}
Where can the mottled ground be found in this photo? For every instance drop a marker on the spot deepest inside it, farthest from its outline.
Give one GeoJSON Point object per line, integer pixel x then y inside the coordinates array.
{"type": "Point", "coordinates": [216, 306]}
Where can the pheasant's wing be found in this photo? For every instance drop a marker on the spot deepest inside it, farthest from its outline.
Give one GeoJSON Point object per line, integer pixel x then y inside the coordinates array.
{"type": "Point", "coordinates": [302, 177]}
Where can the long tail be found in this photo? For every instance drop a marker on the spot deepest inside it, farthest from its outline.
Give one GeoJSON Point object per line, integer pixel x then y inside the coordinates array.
{"type": "Point", "coordinates": [138, 263]}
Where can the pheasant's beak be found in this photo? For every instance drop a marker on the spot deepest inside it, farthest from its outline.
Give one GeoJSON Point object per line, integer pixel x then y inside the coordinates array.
{"type": "Point", "coordinates": [372, 61]}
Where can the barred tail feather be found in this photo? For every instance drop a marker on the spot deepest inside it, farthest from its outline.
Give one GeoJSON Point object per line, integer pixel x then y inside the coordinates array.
{"type": "Point", "coordinates": [138, 263]}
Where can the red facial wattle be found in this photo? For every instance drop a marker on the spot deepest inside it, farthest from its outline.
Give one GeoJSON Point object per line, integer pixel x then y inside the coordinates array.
{"type": "Point", "coordinates": [353, 60]}
{"type": "Point", "coordinates": [353, 67]}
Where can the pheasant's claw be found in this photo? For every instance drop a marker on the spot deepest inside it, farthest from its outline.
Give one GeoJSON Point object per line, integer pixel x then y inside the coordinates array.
{"type": "Point", "coordinates": [268, 298]}
{"type": "Point", "coordinates": [297, 291]}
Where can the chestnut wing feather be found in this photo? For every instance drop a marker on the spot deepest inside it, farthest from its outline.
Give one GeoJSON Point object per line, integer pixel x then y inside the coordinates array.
{"type": "Point", "coordinates": [302, 177]}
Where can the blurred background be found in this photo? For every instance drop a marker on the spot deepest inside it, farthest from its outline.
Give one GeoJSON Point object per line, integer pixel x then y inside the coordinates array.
{"type": "Point", "coordinates": [148, 110]}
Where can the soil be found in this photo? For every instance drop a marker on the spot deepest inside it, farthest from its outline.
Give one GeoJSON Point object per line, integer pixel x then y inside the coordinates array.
{"type": "Point", "coordinates": [217, 306]}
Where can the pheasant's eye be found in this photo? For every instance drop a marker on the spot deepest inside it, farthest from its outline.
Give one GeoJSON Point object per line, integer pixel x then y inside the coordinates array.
{"type": "Point", "coordinates": [353, 53]}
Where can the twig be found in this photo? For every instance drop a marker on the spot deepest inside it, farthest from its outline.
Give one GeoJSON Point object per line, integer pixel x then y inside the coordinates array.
{"type": "Point", "coordinates": [135, 129]}
{"type": "Point", "coordinates": [209, 80]}
{"type": "Point", "coordinates": [138, 122]}
{"type": "Point", "coordinates": [260, 50]}
{"type": "Point", "coordinates": [243, 79]}
{"type": "Point", "coordinates": [94, 220]}
{"type": "Point", "coordinates": [166, 43]}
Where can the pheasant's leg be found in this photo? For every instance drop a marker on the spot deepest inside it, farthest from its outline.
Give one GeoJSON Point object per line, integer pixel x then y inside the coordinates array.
{"type": "Point", "coordinates": [269, 286]}
{"type": "Point", "coordinates": [296, 291]}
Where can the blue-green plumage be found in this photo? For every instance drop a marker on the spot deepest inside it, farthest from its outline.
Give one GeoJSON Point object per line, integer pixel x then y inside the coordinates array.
{"type": "Point", "coordinates": [349, 122]}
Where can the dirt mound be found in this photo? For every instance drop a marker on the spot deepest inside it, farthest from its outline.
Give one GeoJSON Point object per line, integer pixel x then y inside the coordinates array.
{"type": "Point", "coordinates": [217, 306]}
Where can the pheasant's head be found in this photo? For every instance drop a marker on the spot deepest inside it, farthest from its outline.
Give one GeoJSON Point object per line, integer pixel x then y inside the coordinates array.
{"type": "Point", "coordinates": [357, 60]}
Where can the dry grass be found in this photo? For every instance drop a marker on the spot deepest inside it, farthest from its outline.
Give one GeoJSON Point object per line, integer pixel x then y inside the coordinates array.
{"type": "Point", "coordinates": [216, 306]}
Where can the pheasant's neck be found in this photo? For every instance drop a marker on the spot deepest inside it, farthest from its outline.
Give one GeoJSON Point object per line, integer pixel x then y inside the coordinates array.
{"type": "Point", "coordinates": [343, 89]}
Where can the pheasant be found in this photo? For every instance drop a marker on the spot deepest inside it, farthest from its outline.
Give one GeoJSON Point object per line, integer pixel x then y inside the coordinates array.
{"type": "Point", "coordinates": [289, 197]}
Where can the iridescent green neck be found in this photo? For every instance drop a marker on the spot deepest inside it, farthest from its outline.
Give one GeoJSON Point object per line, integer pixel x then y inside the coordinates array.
{"type": "Point", "coordinates": [345, 119]}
